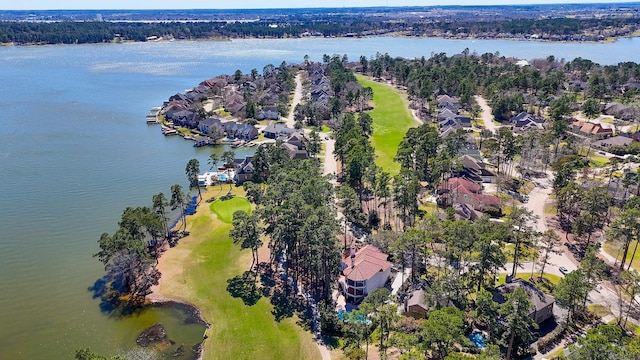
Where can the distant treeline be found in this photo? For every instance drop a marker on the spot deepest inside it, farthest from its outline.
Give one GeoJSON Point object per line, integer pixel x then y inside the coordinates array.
{"type": "Point", "coordinates": [68, 32]}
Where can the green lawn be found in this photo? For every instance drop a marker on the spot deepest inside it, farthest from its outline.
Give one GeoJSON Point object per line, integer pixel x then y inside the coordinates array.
{"type": "Point", "coordinates": [529, 255]}
{"type": "Point", "coordinates": [550, 280]}
{"type": "Point", "coordinates": [224, 209]}
{"type": "Point", "coordinates": [613, 248]}
{"type": "Point", "coordinates": [207, 259]}
{"type": "Point", "coordinates": [391, 120]}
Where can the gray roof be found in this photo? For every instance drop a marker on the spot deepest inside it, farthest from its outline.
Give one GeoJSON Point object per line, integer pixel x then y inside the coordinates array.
{"type": "Point", "coordinates": [538, 298]}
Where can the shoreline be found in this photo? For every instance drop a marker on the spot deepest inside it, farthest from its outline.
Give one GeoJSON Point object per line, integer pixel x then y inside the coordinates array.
{"type": "Point", "coordinates": [158, 297]}
{"type": "Point", "coordinates": [393, 35]}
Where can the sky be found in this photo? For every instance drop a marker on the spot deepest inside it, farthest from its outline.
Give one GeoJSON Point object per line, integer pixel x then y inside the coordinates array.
{"type": "Point", "coordinates": [255, 4]}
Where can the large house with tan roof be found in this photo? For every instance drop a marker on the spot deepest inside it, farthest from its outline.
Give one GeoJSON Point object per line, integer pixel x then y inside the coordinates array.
{"type": "Point", "coordinates": [585, 128]}
{"type": "Point", "coordinates": [363, 270]}
{"type": "Point", "coordinates": [457, 190]}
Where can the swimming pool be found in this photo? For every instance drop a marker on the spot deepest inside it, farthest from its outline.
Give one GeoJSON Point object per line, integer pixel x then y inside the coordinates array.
{"type": "Point", "coordinates": [477, 339]}
{"type": "Point", "coordinates": [223, 177]}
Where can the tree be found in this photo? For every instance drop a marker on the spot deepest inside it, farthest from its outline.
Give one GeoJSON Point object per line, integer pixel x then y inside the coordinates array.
{"type": "Point", "coordinates": [488, 246]}
{"type": "Point", "coordinates": [159, 206]}
{"type": "Point", "coordinates": [516, 323]}
{"type": "Point", "coordinates": [178, 201]}
{"type": "Point", "coordinates": [486, 311]}
{"type": "Point", "coordinates": [521, 234]}
{"type": "Point", "coordinates": [442, 330]}
{"type": "Point", "coordinates": [626, 229]}
{"type": "Point", "coordinates": [549, 240]}
{"type": "Point", "coordinates": [600, 343]}
{"type": "Point", "coordinates": [228, 158]}
{"type": "Point", "coordinates": [213, 160]}
{"type": "Point", "coordinates": [591, 108]}
{"type": "Point", "coordinates": [192, 170]}
{"type": "Point", "coordinates": [246, 232]}
{"type": "Point", "coordinates": [571, 290]}
{"type": "Point", "coordinates": [411, 244]}
{"type": "Point", "coordinates": [348, 201]}
{"type": "Point", "coordinates": [315, 143]}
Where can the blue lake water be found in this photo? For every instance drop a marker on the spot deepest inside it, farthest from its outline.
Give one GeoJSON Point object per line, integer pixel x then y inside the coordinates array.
{"type": "Point", "coordinates": [75, 151]}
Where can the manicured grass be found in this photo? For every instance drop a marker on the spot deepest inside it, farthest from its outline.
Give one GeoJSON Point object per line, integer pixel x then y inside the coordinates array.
{"type": "Point", "coordinates": [224, 209]}
{"type": "Point", "coordinates": [550, 209]}
{"type": "Point", "coordinates": [599, 310]}
{"type": "Point", "coordinates": [614, 249]}
{"type": "Point", "coordinates": [391, 120]}
{"type": "Point", "coordinates": [205, 260]}
{"type": "Point", "coordinates": [547, 286]}
{"type": "Point", "coordinates": [529, 255]}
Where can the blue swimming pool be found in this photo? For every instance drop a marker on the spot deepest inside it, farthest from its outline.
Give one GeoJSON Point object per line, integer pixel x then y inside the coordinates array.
{"type": "Point", "coordinates": [477, 339]}
{"type": "Point", "coordinates": [343, 315]}
{"type": "Point", "coordinates": [223, 177]}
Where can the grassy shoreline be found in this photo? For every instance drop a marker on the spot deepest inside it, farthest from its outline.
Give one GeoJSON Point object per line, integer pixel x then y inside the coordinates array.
{"type": "Point", "coordinates": [196, 272]}
{"type": "Point", "coordinates": [391, 121]}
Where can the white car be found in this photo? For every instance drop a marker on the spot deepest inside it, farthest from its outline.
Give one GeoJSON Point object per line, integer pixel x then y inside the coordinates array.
{"type": "Point", "coordinates": [563, 270]}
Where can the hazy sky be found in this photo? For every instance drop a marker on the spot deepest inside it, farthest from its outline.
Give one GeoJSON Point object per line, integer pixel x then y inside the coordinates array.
{"type": "Point", "coordinates": [250, 4]}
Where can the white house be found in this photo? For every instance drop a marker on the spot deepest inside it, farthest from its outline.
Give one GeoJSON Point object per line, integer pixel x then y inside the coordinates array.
{"type": "Point", "coordinates": [363, 270]}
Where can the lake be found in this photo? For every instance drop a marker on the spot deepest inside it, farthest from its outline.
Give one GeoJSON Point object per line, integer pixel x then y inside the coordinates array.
{"type": "Point", "coordinates": [75, 150]}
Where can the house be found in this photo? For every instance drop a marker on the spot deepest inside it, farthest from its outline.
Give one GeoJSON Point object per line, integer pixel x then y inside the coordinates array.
{"type": "Point", "coordinates": [416, 306]}
{"type": "Point", "coordinates": [205, 125]}
{"type": "Point", "coordinates": [457, 190]}
{"type": "Point", "coordinates": [294, 152]}
{"type": "Point", "coordinates": [444, 114]}
{"type": "Point", "coordinates": [524, 122]}
{"type": "Point", "coordinates": [363, 270]}
{"type": "Point", "coordinates": [542, 304]}
{"type": "Point", "coordinates": [475, 170]}
{"type": "Point", "coordinates": [463, 120]}
{"type": "Point", "coordinates": [442, 99]}
{"type": "Point", "coordinates": [244, 170]}
{"type": "Point", "coordinates": [268, 112]}
{"type": "Point", "coordinates": [620, 111]}
{"type": "Point", "coordinates": [586, 128]}
{"type": "Point", "coordinates": [273, 131]}
{"type": "Point", "coordinates": [184, 118]}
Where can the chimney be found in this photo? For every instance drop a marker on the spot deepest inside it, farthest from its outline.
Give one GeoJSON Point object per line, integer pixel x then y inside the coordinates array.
{"type": "Point", "coordinates": [353, 257]}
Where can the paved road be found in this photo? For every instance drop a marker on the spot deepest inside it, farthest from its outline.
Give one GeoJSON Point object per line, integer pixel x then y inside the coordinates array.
{"type": "Point", "coordinates": [297, 97]}
{"type": "Point", "coordinates": [487, 117]}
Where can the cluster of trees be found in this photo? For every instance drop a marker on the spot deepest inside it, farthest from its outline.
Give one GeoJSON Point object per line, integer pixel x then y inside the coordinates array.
{"type": "Point", "coordinates": [344, 90]}
{"type": "Point", "coordinates": [562, 28]}
{"type": "Point", "coordinates": [295, 209]}
{"type": "Point", "coordinates": [130, 255]}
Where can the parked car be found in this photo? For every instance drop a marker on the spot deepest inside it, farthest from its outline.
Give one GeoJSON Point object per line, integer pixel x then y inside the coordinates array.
{"type": "Point", "coordinates": [563, 270]}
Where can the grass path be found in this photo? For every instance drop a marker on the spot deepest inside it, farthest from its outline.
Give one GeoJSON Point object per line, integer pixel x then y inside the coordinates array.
{"type": "Point", "coordinates": [391, 120]}
{"type": "Point", "coordinates": [196, 271]}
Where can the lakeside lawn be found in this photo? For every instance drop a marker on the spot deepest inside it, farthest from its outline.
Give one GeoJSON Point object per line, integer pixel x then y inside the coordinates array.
{"type": "Point", "coordinates": [391, 120]}
{"type": "Point", "coordinates": [197, 270]}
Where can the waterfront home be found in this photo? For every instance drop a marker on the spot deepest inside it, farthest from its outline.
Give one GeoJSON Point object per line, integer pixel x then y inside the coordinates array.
{"type": "Point", "coordinates": [244, 170]}
{"type": "Point", "coordinates": [541, 303]}
{"type": "Point", "coordinates": [274, 131]}
{"type": "Point", "coordinates": [363, 270]}
{"type": "Point", "coordinates": [185, 118]}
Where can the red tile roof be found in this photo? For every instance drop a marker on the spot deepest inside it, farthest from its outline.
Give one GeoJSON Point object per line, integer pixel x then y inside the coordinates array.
{"type": "Point", "coordinates": [367, 262]}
